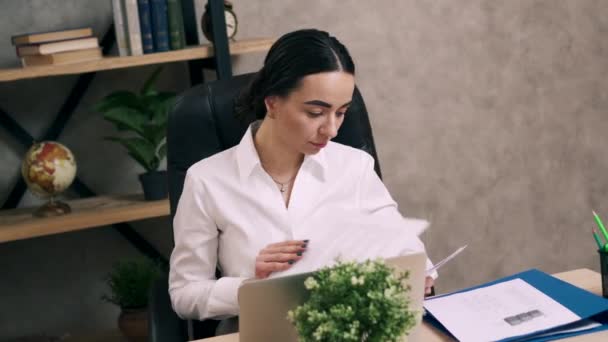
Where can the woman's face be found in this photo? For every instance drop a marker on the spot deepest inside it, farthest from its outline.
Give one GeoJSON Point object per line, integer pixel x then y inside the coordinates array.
{"type": "Point", "coordinates": [311, 115]}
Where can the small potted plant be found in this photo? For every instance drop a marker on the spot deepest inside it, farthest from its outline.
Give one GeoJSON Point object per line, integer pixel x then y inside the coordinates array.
{"type": "Point", "coordinates": [142, 120]}
{"type": "Point", "coordinates": [129, 283]}
{"type": "Point", "coordinates": [355, 302]}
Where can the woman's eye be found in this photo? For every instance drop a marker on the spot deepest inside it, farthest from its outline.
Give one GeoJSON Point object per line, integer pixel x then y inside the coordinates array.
{"type": "Point", "coordinates": [339, 114]}
{"type": "Point", "coordinates": [315, 113]}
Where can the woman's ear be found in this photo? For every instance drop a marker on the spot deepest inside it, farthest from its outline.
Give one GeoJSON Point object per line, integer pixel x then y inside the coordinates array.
{"type": "Point", "coordinates": [271, 103]}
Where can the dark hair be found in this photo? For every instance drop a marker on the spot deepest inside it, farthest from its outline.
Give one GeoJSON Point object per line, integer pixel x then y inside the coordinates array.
{"type": "Point", "coordinates": [291, 58]}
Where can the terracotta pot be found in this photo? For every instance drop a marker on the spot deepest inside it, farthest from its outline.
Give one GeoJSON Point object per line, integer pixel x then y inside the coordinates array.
{"type": "Point", "coordinates": [133, 323]}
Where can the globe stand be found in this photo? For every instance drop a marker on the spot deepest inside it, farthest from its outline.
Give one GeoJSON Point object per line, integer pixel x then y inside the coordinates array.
{"type": "Point", "coordinates": [53, 208]}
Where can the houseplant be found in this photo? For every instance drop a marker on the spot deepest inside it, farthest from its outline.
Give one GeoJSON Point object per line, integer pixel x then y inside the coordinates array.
{"type": "Point", "coordinates": [354, 302]}
{"type": "Point", "coordinates": [141, 118]}
{"type": "Point", "coordinates": [129, 282]}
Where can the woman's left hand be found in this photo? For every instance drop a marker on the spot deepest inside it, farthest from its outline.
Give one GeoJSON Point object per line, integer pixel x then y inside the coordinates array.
{"type": "Point", "coordinates": [428, 284]}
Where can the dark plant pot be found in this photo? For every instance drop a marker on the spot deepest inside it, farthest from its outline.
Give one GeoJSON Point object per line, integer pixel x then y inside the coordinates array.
{"type": "Point", "coordinates": [154, 184]}
{"type": "Point", "coordinates": [133, 323]}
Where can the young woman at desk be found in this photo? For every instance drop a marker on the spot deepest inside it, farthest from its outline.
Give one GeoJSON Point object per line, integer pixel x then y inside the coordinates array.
{"type": "Point", "coordinates": [251, 208]}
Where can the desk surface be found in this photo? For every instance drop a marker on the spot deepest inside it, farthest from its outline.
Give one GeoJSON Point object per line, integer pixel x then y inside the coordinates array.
{"type": "Point", "coordinates": [584, 278]}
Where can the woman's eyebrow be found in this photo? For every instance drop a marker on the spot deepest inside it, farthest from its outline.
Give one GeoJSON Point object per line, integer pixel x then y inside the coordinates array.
{"type": "Point", "coordinates": [325, 104]}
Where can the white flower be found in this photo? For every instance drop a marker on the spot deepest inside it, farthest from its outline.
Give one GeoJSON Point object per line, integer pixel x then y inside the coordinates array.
{"type": "Point", "coordinates": [390, 292]}
{"type": "Point", "coordinates": [357, 281]}
{"type": "Point", "coordinates": [310, 283]}
{"type": "Point", "coordinates": [368, 267]}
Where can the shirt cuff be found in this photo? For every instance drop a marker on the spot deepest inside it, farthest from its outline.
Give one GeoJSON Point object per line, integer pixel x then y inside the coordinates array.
{"type": "Point", "coordinates": [223, 301]}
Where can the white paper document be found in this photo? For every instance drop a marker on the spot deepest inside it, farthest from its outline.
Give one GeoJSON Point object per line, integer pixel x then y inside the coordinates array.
{"type": "Point", "coordinates": [358, 241]}
{"type": "Point", "coordinates": [444, 261]}
{"type": "Point", "coordinates": [499, 311]}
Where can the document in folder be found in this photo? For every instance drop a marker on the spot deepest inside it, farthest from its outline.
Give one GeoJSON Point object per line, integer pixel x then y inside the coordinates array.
{"type": "Point", "coordinates": [520, 321]}
{"type": "Point", "coordinates": [511, 308]}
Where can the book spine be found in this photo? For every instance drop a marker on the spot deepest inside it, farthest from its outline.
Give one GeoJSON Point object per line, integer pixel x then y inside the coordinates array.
{"type": "Point", "coordinates": [120, 29]}
{"type": "Point", "coordinates": [145, 25]}
{"type": "Point", "coordinates": [176, 24]}
{"type": "Point", "coordinates": [192, 14]}
{"type": "Point", "coordinates": [55, 47]}
{"type": "Point", "coordinates": [133, 29]}
{"type": "Point", "coordinates": [160, 27]}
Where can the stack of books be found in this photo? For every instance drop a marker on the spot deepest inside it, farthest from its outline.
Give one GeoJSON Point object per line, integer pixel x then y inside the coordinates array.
{"type": "Point", "coordinates": [146, 26]}
{"type": "Point", "coordinates": [57, 47]}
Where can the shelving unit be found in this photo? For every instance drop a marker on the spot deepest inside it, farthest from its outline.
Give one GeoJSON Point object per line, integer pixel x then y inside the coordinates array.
{"type": "Point", "coordinates": [108, 63]}
{"type": "Point", "coordinates": [18, 224]}
{"type": "Point", "coordinates": [92, 210]}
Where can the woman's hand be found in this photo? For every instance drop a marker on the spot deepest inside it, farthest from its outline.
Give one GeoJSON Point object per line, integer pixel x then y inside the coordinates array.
{"type": "Point", "coordinates": [428, 284]}
{"type": "Point", "coordinates": [278, 257]}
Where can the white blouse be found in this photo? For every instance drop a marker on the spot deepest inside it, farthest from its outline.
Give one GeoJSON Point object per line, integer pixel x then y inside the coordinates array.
{"type": "Point", "coordinates": [230, 209]}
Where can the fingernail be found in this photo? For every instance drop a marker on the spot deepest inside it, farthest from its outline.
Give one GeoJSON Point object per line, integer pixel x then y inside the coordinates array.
{"type": "Point", "coordinates": [304, 245]}
{"type": "Point", "coordinates": [299, 254]}
{"type": "Point", "coordinates": [306, 240]}
{"type": "Point", "coordinates": [290, 262]}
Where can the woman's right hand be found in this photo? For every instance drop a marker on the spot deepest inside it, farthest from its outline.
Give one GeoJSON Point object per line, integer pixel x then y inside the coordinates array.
{"type": "Point", "coordinates": [278, 257]}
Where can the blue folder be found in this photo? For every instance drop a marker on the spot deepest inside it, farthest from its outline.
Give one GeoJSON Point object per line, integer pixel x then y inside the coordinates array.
{"type": "Point", "coordinates": [583, 303]}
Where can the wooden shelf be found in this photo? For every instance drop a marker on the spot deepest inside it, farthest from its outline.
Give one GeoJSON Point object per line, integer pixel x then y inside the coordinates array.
{"type": "Point", "coordinates": [18, 224]}
{"type": "Point", "coordinates": [108, 63]}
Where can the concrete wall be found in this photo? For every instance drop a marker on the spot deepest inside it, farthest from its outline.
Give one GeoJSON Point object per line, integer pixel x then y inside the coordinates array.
{"type": "Point", "coordinates": [488, 115]}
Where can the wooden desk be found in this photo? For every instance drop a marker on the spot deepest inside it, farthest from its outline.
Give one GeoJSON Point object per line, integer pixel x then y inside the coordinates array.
{"type": "Point", "coordinates": [584, 278]}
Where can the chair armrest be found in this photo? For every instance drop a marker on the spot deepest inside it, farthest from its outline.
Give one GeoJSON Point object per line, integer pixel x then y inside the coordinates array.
{"type": "Point", "coordinates": [163, 323]}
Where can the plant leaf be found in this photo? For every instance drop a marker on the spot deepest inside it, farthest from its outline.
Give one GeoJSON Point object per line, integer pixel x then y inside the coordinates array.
{"type": "Point", "coordinates": [127, 119]}
{"type": "Point", "coordinates": [154, 132]}
{"type": "Point", "coordinates": [158, 105]}
{"type": "Point", "coordinates": [149, 83]}
{"type": "Point", "coordinates": [130, 281]}
{"type": "Point", "coordinates": [154, 164]}
{"type": "Point", "coordinates": [162, 150]}
{"type": "Point", "coordinates": [141, 150]}
{"type": "Point", "coordinates": [118, 99]}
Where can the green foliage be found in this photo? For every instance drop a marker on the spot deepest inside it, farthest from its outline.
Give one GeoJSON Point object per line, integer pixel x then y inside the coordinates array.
{"type": "Point", "coordinates": [354, 302]}
{"type": "Point", "coordinates": [141, 119]}
{"type": "Point", "coordinates": [130, 281]}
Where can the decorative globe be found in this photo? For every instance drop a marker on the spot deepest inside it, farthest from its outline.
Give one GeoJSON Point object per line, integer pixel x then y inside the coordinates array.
{"type": "Point", "coordinates": [48, 169]}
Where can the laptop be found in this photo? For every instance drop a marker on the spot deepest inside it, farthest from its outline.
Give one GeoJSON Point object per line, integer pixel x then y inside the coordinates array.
{"type": "Point", "coordinates": [263, 304]}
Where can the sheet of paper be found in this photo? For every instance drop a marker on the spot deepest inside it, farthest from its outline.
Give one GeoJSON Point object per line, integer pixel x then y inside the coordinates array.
{"type": "Point", "coordinates": [358, 241]}
{"type": "Point", "coordinates": [507, 309]}
{"type": "Point", "coordinates": [444, 261]}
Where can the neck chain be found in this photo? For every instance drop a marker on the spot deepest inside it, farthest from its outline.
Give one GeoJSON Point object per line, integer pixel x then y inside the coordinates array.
{"type": "Point", "coordinates": [283, 185]}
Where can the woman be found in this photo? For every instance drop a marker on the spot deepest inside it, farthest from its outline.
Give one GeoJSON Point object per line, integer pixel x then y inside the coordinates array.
{"type": "Point", "coordinates": [250, 209]}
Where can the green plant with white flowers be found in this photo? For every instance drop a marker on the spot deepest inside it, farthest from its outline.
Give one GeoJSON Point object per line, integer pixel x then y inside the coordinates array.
{"type": "Point", "coordinates": [355, 302]}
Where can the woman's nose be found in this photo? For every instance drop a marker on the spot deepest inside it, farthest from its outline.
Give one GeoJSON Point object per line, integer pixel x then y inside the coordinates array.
{"type": "Point", "coordinates": [330, 127]}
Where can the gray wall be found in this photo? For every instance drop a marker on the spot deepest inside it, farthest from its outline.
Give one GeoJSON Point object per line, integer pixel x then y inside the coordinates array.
{"type": "Point", "coordinates": [488, 115]}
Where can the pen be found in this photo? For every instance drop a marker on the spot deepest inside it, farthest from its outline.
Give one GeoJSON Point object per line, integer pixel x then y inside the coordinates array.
{"type": "Point", "coordinates": [597, 238]}
{"type": "Point", "coordinates": [600, 224]}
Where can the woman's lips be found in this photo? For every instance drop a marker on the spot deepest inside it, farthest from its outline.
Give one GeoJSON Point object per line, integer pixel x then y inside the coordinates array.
{"type": "Point", "coordinates": [321, 145]}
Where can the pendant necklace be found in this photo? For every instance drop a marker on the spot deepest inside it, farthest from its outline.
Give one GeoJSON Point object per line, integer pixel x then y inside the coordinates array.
{"type": "Point", "coordinates": [283, 185]}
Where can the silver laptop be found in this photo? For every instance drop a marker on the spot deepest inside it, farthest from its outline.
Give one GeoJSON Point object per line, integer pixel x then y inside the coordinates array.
{"type": "Point", "coordinates": [264, 303]}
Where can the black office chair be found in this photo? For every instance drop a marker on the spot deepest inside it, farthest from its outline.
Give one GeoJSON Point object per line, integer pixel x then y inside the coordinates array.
{"type": "Point", "coordinates": [201, 124]}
